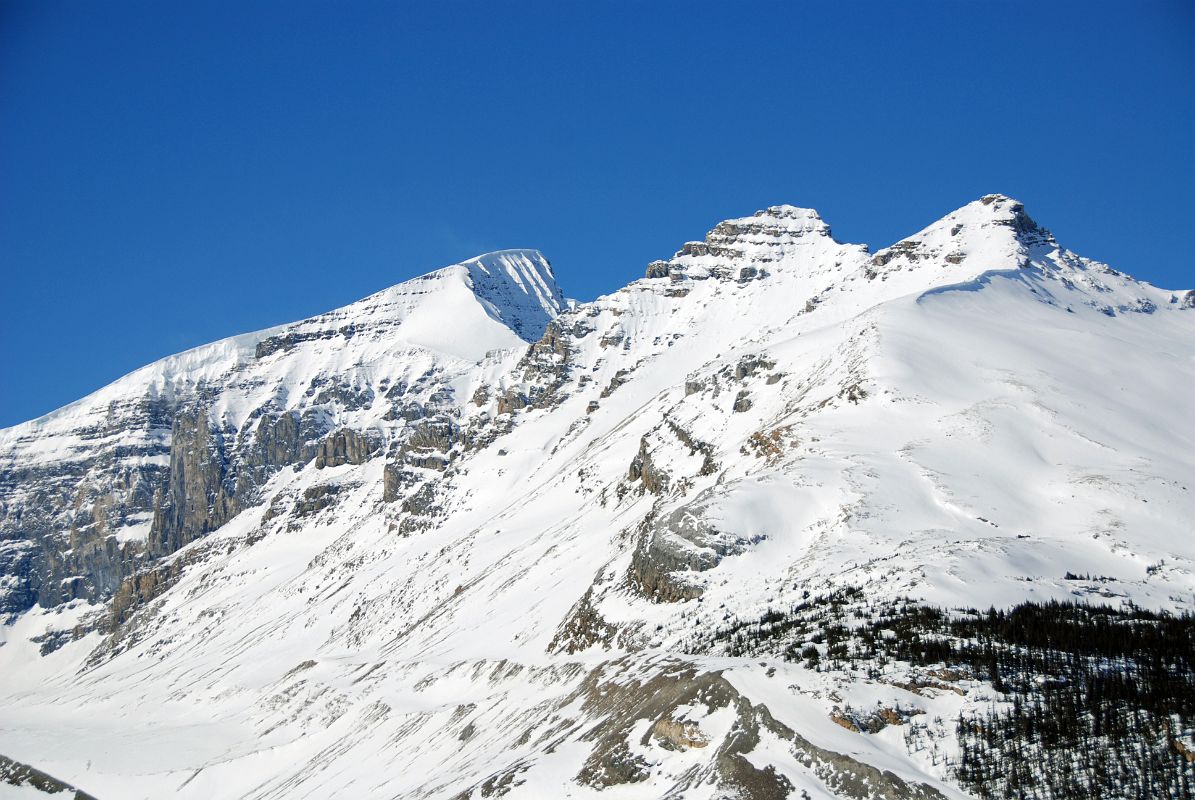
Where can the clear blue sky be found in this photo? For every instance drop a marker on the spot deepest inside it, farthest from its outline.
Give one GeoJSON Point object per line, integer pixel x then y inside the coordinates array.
{"type": "Point", "coordinates": [175, 173]}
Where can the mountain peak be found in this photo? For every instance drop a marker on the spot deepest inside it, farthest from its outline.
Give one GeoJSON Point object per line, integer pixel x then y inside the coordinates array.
{"type": "Point", "coordinates": [993, 230]}
{"type": "Point", "coordinates": [996, 210]}
{"type": "Point", "coordinates": [767, 236]}
{"type": "Point", "coordinates": [782, 221]}
{"type": "Point", "coordinates": [517, 288]}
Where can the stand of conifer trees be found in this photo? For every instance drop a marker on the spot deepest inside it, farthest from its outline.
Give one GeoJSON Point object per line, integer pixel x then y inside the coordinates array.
{"type": "Point", "coordinates": [1092, 701]}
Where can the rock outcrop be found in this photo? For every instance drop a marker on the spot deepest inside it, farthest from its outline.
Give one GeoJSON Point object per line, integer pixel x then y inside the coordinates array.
{"type": "Point", "coordinates": [671, 549]}
{"type": "Point", "coordinates": [33, 781]}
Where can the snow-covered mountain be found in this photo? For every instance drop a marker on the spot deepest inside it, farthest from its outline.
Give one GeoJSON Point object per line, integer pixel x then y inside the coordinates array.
{"type": "Point", "coordinates": [465, 539]}
{"type": "Point", "coordinates": [174, 450]}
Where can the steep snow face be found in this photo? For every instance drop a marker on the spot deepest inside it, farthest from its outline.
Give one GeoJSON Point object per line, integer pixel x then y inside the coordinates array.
{"type": "Point", "coordinates": [517, 288]}
{"type": "Point", "coordinates": [524, 586]}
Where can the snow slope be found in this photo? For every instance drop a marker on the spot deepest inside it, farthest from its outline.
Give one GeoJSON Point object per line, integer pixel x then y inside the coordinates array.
{"type": "Point", "coordinates": [515, 590]}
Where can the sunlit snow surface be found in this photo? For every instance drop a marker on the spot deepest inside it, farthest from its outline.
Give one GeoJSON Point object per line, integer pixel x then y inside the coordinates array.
{"type": "Point", "coordinates": [962, 420]}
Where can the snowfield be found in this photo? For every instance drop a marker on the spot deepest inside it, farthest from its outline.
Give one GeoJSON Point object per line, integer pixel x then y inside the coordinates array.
{"type": "Point", "coordinates": [510, 576]}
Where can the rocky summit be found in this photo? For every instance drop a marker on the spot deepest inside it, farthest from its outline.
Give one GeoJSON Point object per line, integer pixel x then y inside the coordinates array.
{"type": "Point", "coordinates": [785, 518]}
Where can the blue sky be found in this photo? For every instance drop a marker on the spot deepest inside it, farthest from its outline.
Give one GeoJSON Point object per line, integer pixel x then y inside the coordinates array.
{"type": "Point", "coordinates": [172, 174]}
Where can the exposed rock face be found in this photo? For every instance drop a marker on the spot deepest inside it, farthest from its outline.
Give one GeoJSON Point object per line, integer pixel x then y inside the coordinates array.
{"type": "Point", "coordinates": [137, 590]}
{"type": "Point", "coordinates": [679, 734]}
{"type": "Point", "coordinates": [682, 542]}
{"type": "Point", "coordinates": [346, 446]}
{"type": "Point", "coordinates": [60, 518]}
{"type": "Point", "coordinates": [431, 442]}
{"type": "Point", "coordinates": [1022, 225]}
{"type": "Point", "coordinates": [196, 499]}
{"type": "Point", "coordinates": [657, 269]}
{"type": "Point", "coordinates": [644, 470]}
{"type": "Point", "coordinates": [741, 250]}
{"type": "Point", "coordinates": [317, 498]}
{"type": "Point", "coordinates": [421, 508]}
{"type": "Point", "coordinates": [280, 440]}
{"type": "Point", "coordinates": [659, 699]}
{"type": "Point", "coordinates": [583, 628]}
{"type": "Point", "coordinates": [750, 365]}
{"type": "Point", "coordinates": [392, 483]}
{"type": "Point", "coordinates": [511, 401]}
{"type": "Point", "coordinates": [620, 378]}
{"type": "Point", "coordinates": [20, 582]}
{"type": "Point", "coordinates": [546, 367]}
{"type": "Point", "coordinates": [207, 485]}
{"type": "Point", "coordinates": [289, 341]}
